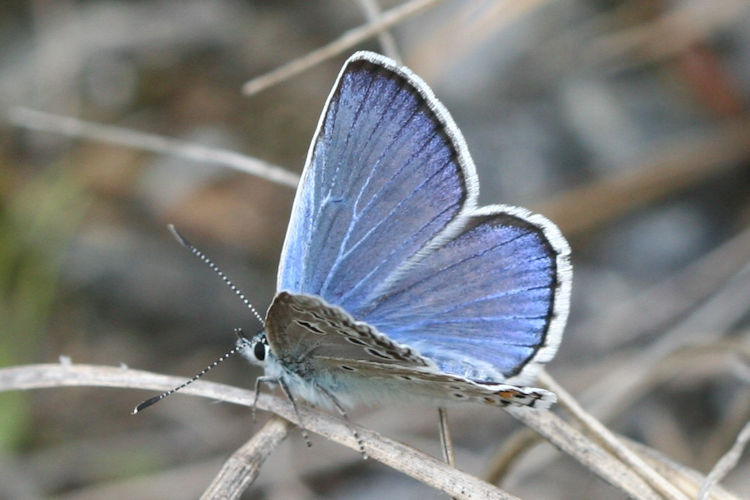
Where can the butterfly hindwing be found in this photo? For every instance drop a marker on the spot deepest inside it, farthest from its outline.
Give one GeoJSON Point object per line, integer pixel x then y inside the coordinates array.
{"type": "Point", "coordinates": [438, 386]}
{"type": "Point", "coordinates": [487, 304]}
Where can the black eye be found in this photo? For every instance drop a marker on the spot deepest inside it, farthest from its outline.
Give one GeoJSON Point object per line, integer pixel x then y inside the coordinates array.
{"type": "Point", "coordinates": [259, 350]}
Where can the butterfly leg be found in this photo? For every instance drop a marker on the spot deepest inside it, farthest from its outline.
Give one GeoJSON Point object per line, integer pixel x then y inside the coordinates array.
{"type": "Point", "coordinates": [258, 382]}
{"type": "Point", "coordinates": [446, 443]}
{"type": "Point", "coordinates": [343, 414]}
{"type": "Point", "coordinates": [289, 396]}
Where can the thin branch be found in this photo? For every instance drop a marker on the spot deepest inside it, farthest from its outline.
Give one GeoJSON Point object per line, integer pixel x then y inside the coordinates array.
{"type": "Point", "coordinates": [416, 464]}
{"type": "Point", "coordinates": [385, 37]}
{"type": "Point", "coordinates": [611, 441]}
{"type": "Point", "coordinates": [687, 163]}
{"type": "Point", "coordinates": [726, 463]}
{"type": "Point", "coordinates": [687, 479]}
{"type": "Point", "coordinates": [671, 298]}
{"type": "Point", "coordinates": [622, 384]}
{"type": "Point", "coordinates": [73, 127]}
{"type": "Point", "coordinates": [674, 364]}
{"type": "Point", "coordinates": [509, 453]}
{"type": "Point", "coordinates": [243, 467]}
{"type": "Point", "coordinates": [592, 456]}
{"type": "Point", "coordinates": [345, 42]}
{"type": "Point", "coordinates": [403, 458]}
{"type": "Point", "coordinates": [668, 35]}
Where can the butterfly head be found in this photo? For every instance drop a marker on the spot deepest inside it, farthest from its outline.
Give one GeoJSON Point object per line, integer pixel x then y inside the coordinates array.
{"type": "Point", "coordinates": [255, 349]}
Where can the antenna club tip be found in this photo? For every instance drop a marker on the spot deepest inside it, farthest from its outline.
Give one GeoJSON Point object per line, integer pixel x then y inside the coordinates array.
{"type": "Point", "coordinates": [145, 404]}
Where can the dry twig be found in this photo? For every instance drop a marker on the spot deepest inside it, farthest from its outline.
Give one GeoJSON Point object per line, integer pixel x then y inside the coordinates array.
{"type": "Point", "coordinates": [726, 463]}
{"type": "Point", "coordinates": [403, 458]}
{"type": "Point", "coordinates": [345, 42]}
{"type": "Point", "coordinates": [73, 127]}
{"type": "Point", "coordinates": [241, 469]}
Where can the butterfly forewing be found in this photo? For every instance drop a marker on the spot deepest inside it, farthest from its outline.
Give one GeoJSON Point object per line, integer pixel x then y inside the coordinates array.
{"type": "Point", "coordinates": [305, 328]}
{"type": "Point", "coordinates": [384, 177]}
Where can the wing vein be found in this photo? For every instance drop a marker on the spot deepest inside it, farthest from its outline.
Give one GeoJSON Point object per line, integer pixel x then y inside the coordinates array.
{"type": "Point", "coordinates": [341, 255]}
{"type": "Point", "coordinates": [408, 240]}
{"type": "Point", "coordinates": [453, 265]}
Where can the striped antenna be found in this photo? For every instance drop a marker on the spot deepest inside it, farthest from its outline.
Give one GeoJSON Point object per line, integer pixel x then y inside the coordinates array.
{"type": "Point", "coordinates": [240, 345]}
{"type": "Point", "coordinates": [204, 258]}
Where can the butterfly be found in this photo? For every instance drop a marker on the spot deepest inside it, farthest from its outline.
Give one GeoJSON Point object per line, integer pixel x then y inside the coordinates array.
{"type": "Point", "coordinates": [393, 283]}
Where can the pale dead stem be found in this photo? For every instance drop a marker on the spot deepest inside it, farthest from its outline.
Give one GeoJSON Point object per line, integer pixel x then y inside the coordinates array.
{"type": "Point", "coordinates": [414, 463]}
{"type": "Point", "coordinates": [688, 162]}
{"type": "Point", "coordinates": [687, 480]}
{"type": "Point", "coordinates": [590, 454]}
{"type": "Point", "coordinates": [726, 463]}
{"type": "Point", "coordinates": [241, 469]}
{"type": "Point", "coordinates": [697, 335]}
{"type": "Point", "coordinates": [692, 161]}
{"type": "Point", "coordinates": [666, 36]}
{"type": "Point", "coordinates": [73, 127]}
{"type": "Point", "coordinates": [418, 465]}
{"type": "Point", "coordinates": [385, 37]}
{"type": "Point", "coordinates": [342, 44]}
{"type": "Point", "coordinates": [610, 441]}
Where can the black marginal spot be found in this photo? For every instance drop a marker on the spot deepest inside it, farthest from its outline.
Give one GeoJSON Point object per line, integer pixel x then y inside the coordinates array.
{"type": "Point", "coordinates": [348, 368]}
{"type": "Point", "coordinates": [310, 326]}
{"type": "Point", "coordinates": [406, 377]}
{"type": "Point", "coordinates": [455, 387]}
{"type": "Point", "coordinates": [459, 395]}
{"type": "Point", "coordinates": [490, 400]}
{"type": "Point", "coordinates": [375, 353]}
{"type": "Point", "coordinates": [356, 341]}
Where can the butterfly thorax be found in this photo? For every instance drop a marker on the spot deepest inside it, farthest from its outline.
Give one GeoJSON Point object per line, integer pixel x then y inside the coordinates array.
{"type": "Point", "coordinates": [296, 373]}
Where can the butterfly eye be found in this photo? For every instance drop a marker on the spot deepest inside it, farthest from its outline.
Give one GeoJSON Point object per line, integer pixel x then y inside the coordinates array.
{"type": "Point", "coordinates": [259, 350]}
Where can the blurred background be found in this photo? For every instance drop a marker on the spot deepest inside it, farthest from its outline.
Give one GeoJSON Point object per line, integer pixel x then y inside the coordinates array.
{"type": "Point", "coordinates": [625, 122]}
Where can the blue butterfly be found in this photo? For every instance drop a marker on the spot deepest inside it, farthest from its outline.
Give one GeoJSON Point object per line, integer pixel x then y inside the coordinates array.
{"type": "Point", "coordinates": [392, 282]}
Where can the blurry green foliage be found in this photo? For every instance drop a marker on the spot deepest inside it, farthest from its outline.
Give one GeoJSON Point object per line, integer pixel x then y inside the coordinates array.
{"type": "Point", "coordinates": [37, 220]}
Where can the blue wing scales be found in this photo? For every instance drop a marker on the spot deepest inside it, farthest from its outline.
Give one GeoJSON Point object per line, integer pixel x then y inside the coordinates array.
{"type": "Point", "coordinates": [385, 226]}
{"type": "Point", "coordinates": [483, 304]}
{"type": "Point", "coordinates": [381, 181]}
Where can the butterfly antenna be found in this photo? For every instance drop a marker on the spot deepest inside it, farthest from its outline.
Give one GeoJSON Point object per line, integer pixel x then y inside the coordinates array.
{"type": "Point", "coordinates": [204, 258]}
{"type": "Point", "coordinates": [195, 377]}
